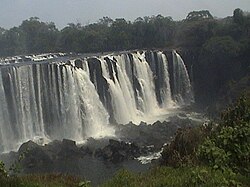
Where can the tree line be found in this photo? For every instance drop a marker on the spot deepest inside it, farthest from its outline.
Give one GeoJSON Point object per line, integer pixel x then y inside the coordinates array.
{"type": "Point", "coordinates": [35, 36]}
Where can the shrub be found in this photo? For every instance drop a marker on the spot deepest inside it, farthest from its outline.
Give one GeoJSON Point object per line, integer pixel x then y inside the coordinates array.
{"type": "Point", "coordinates": [182, 176]}
{"type": "Point", "coordinates": [229, 146]}
{"type": "Point", "coordinates": [181, 151]}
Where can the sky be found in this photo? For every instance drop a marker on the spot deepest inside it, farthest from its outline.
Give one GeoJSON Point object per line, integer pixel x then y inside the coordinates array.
{"type": "Point", "coordinates": [62, 12]}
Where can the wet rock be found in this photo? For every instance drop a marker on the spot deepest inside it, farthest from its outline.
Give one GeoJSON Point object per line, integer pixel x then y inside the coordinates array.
{"type": "Point", "coordinates": [53, 149]}
{"type": "Point", "coordinates": [118, 151]}
{"type": "Point", "coordinates": [156, 134]}
{"type": "Point", "coordinates": [79, 63]}
{"type": "Point", "coordinates": [33, 156]}
{"type": "Point", "coordinates": [69, 150]}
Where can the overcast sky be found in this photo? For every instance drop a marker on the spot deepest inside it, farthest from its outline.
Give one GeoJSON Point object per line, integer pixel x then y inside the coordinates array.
{"type": "Point", "coordinates": [61, 12]}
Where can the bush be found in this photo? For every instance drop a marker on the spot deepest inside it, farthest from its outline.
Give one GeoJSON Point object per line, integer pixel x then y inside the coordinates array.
{"type": "Point", "coordinates": [229, 146]}
{"type": "Point", "coordinates": [183, 176]}
{"type": "Point", "coordinates": [182, 150]}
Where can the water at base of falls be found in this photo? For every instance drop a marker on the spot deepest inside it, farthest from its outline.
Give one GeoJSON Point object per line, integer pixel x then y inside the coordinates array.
{"type": "Point", "coordinates": [79, 98]}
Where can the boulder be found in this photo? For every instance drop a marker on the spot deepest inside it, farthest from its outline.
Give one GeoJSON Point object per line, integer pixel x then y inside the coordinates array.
{"type": "Point", "coordinates": [118, 151]}
{"type": "Point", "coordinates": [69, 150]}
{"type": "Point", "coordinates": [33, 156]}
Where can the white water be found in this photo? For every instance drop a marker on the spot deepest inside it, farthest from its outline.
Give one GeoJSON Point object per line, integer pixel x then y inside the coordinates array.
{"type": "Point", "coordinates": [130, 104]}
{"type": "Point", "coordinates": [166, 90]}
{"type": "Point", "coordinates": [43, 102]}
{"type": "Point", "coordinates": [144, 75]}
{"type": "Point", "coordinates": [95, 116]}
{"type": "Point", "coordinates": [182, 86]}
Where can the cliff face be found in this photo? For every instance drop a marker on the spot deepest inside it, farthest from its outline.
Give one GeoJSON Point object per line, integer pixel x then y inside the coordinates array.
{"type": "Point", "coordinates": [217, 80]}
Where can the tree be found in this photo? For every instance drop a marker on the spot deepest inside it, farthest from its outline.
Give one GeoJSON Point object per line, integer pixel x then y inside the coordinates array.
{"type": "Point", "coordinates": [70, 38]}
{"type": "Point", "coordinates": [120, 34]}
{"type": "Point", "coordinates": [199, 15]}
{"type": "Point", "coordinates": [238, 16]}
{"type": "Point", "coordinates": [39, 36]}
{"type": "Point", "coordinates": [221, 48]}
{"type": "Point", "coordinates": [107, 21]}
{"type": "Point", "coordinates": [15, 42]}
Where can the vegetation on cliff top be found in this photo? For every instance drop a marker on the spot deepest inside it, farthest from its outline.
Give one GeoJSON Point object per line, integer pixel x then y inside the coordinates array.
{"type": "Point", "coordinates": [199, 27]}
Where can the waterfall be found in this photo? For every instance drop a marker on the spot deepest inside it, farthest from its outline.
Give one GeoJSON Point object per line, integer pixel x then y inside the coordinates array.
{"type": "Point", "coordinates": [5, 128]}
{"type": "Point", "coordinates": [143, 73]}
{"type": "Point", "coordinates": [49, 102]}
{"type": "Point", "coordinates": [79, 98]}
{"type": "Point", "coordinates": [165, 92]}
{"type": "Point", "coordinates": [182, 86]}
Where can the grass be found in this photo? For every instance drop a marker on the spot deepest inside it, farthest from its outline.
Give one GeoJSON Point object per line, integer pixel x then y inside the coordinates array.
{"type": "Point", "coordinates": [42, 180]}
{"type": "Point", "coordinates": [186, 176]}
{"type": "Point", "coordinates": [162, 176]}
{"type": "Point", "coordinates": [158, 177]}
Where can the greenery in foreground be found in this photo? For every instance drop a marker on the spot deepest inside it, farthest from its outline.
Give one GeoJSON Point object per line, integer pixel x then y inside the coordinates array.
{"type": "Point", "coordinates": [211, 155]}
{"type": "Point", "coordinates": [183, 176]}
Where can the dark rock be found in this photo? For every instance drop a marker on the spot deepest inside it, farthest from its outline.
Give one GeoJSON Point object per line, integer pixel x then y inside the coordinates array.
{"type": "Point", "coordinates": [78, 63]}
{"type": "Point", "coordinates": [69, 144]}
{"type": "Point", "coordinates": [53, 149]}
{"type": "Point", "coordinates": [118, 151]}
{"type": "Point", "coordinates": [27, 146]}
{"type": "Point", "coordinates": [33, 156]}
{"type": "Point", "coordinates": [69, 150]}
{"type": "Point", "coordinates": [68, 63]}
{"type": "Point", "coordinates": [86, 151]}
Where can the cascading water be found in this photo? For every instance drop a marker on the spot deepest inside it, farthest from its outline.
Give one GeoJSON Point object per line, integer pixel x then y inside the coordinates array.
{"type": "Point", "coordinates": [50, 102]}
{"type": "Point", "coordinates": [144, 76]}
{"type": "Point", "coordinates": [79, 98]}
{"type": "Point", "coordinates": [182, 90]}
{"type": "Point", "coordinates": [165, 92]}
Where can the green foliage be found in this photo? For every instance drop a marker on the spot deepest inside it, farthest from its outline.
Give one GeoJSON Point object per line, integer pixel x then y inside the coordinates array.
{"type": "Point", "coordinates": [48, 180]}
{"type": "Point", "coordinates": [221, 48]}
{"type": "Point", "coordinates": [187, 176]}
{"type": "Point", "coordinates": [3, 172]}
{"type": "Point", "coordinates": [35, 36]}
{"type": "Point", "coordinates": [52, 180]}
{"type": "Point", "coordinates": [238, 16]}
{"type": "Point", "coordinates": [229, 146]}
{"type": "Point", "coordinates": [199, 15]}
{"type": "Point", "coordinates": [194, 34]}
{"type": "Point", "coordinates": [84, 184]}
{"type": "Point", "coordinates": [6, 180]}
{"type": "Point", "coordinates": [181, 151]}
{"type": "Point", "coordinates": [42, 180]}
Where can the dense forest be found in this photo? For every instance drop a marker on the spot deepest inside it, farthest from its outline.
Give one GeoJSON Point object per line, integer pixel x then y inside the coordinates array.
{"type": "Point", "coordinates": [198, 30]}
